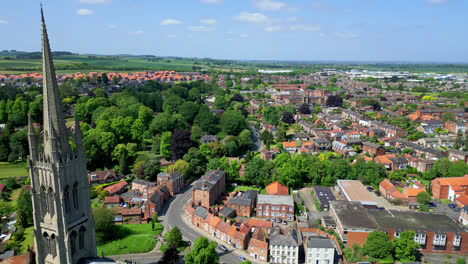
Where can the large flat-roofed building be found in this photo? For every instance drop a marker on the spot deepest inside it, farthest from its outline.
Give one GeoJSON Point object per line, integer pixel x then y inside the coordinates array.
{"type": "Point", "coordinates": [275, 206]}
{"type": "Point", "coordinates": [435, 232]}
{"type": "Point", "coordinates": [354, 191]}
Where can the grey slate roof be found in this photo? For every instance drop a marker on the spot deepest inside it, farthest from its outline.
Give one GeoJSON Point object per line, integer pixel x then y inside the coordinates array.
{"type": "Point", "coordinates": [227, 211]}
{"type": "Point", "coordinates": [320, 243]}
{"type": "Point", "coordinates": [279, 239]}
{"type": "Point", "coordinates": [275, 199]}
{"type": "Point", "coordinates": [371, 145]}
{"type": "Point", "coordinates": [201, 212]}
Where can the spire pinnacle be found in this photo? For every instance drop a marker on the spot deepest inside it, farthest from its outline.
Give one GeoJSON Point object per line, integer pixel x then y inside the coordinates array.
{"type": "Point", "coordinates": [54, 123]}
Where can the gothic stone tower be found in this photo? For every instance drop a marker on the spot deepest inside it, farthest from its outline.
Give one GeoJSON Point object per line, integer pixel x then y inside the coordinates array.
{"type": "Point", "coordinates": [63, 222]}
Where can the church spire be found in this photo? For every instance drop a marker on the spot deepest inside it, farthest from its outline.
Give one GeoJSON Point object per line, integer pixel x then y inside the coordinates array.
{"type": "Point", "coordinates": [54, 123]}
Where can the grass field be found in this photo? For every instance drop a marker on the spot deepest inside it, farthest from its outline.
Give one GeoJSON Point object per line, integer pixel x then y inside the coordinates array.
{"type": "Point", "coordinates": [13, 170]}
{"type": "Point", "coordinates": [140, 240]}
{"type": "Point", "coordinates": [28, 240]}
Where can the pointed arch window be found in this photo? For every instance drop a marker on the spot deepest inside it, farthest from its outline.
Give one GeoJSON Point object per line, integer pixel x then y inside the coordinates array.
{"type": "Point", "coordinates": [66, 198]}
{"type": "Point", "coordinates": [75, 195]}
{"type": "Point", "coordinates": [47, 243]}
{"type": "Point", "coordinates": [43, 201]}
{"type": "Point", "coordinates": [53, 246]}
{"type": "Point", "coordinates": [73, 242]}
{"type": "Point", "coordinates": [50, 202]}
{"type": "Point", "coordinates": [81, 238]}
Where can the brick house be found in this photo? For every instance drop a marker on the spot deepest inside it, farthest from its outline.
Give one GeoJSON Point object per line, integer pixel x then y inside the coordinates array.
{"type": "Point", "coordinates": [209, 188]}
{"type": "Point", "coordinates": [275, 206]}
{"type": "Point", "coordinates": [117, 188]}
{"type": "Point", "coordinates": [174, 181]}
{"type": "Point", "coordinates": [143, 186]}
{"type": "Point", "coordinates": [112, 201]}
{"type": "Point", "coordinates": [243, 203]}
{"type": "Point", "coordinates": [198, 216]}
{"type": "Point", "coordinates": [463, 219]}
{"type": "Point", "coordinates": [373, 149]}
{"type": "Point", "coordinates": [131, 216]}
{"type": "Point", "coordinates": [258, 246]}
{"type": "Point", "coordinates": [266, 154]}
{"type": "Point", "coordinates": [156, 200]}
{"type": "Point", "coordinates": [241, 237]}
{"type": "Point", "coordinates": [450, 187]}
{"type": "Point", "coordinates": [462, 200]}
{"type": "Point", "coordinates": [456, 155]}
{"type": "Point", "coordinates": [99, 177]}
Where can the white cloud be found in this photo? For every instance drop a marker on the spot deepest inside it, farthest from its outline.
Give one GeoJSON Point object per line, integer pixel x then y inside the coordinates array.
{"type": "Point", "coordinates": [172, 36]}
{"type": "Point", "coordinates": [274, 29]}
{"type": "Point", "coordinates": [84, 12]}
{"type": "Point", "coordinates": [138, 32]}
{"type": "Point", "coordinates": [3, 22]}
{"type": "Point", "coordinates": [304, 27]}
{"type": "Point", "coordinates": [243, 35]}
{"type": "Point", "coordinates": [208, 21]}
{"type": "Point", "coordinates": [112, 26]}
{"type": "Point", "coordinates": [94, 2]}
{"type": "Point", "coordinates": [252, 17]}
{"type": "Point", "coordinates": [436, 2]}
{"type": "Point", "coordinates": [200, 29]}
{"type": "Point", "coordinates": [346, 35]}
{"type": "Point", "coordinates": [211, 1]}
{"type": "Point", "coordinates": [269, 5]}
{"type": "Point", "coordinates": [170, 21]}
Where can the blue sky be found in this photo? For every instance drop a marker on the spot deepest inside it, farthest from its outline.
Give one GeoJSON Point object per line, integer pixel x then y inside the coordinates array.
{"type": "Point", "coordinates": [340, 30]}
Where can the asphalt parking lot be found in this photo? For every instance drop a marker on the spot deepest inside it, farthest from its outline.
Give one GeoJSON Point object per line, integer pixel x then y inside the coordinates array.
{"type": "Point", "coordinates": [443, 208]}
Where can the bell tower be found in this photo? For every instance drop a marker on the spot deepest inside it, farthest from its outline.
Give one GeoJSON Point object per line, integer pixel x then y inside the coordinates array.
{"type": "Point", "coordinates": [63, 221]}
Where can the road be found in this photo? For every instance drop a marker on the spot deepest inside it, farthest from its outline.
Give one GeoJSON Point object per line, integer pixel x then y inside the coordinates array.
{"type": "Point", "coordinates": [443, 208]}
{"type": "Point", "coordinates": [257, 143]}
{"type": "Point", "coordinates": [173, 217]}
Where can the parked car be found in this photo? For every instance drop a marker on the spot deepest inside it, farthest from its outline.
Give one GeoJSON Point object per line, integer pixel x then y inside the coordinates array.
{"type": "Point", "coordinates": [437, 200]}
{"type": "Point", "coordinates": [377, 193]}
{"type": "Point", "coordinates": [458, 209]}
{"type": "Point", "coordinates": [432, 204]}
{"type": "Point", "coordinates": [242, 258]}
{"type": "Point", "coordinates": [285, 222]}
{"type": "Point", "coordinates": [370, 189]}
{"type": "Point", "coordinates": [451, 205]}
{"type": "Point", "coordinates": [222, 247]}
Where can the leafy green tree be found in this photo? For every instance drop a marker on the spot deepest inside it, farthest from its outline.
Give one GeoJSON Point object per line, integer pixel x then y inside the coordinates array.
{"type": "Point", "coordinates": [448, 116]}
{"type": "Point", "coordinates": [152, 170]}
{"type": "Point", "coordinates": [25, 210]}
{"type": "Point", "coordinates": [378, 245]}
{"type": "Point", "coordinates": [220, 102]}
{"type": "Point", "coordinates": [19, 144]}
{"type": "Point", "coordinates": [189, 111]}
{"type": "Point", "coordinates": [272, 115]}
{"type": "Point", "coordinates": [233, 122]}
{"type": "Point", "coordinates": [460, 260]}
{"type": "Point", "coordinates": [206, 120]}
{"type": "Point", "coordinates": [170, 256]}
{"type": "Point", "coordinates": [174, 237]}
{"type": "Point", "coordinates": [245, 139]}
{"type": "Point", "coordinates": [104, 225]}
{"type": "Point", "coordinates": [181, 166]}
{"type": "Point", "coordinates": [203, 252]}
{"type": "Point", "coordinates": [172, 103]}
{"type": "Point", "coordinates": [196, 160]}
{"type": "Point", "coordinates": [405, 246]}
{"type": "Point", "coordinates": [166, 144]}
{"type": "Point", "coordinates": [423, 198]}
{"type": "Point", "coordinates": [267, 138]}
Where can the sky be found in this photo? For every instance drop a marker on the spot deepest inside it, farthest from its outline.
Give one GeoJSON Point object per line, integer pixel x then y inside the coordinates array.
{"type": "Point", "coordinates": [305, 30]}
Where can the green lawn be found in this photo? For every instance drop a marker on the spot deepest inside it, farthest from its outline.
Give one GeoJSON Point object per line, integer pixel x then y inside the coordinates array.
{"type": "Point", "coordinates": [245, 188]}
{"type": "Point", "coordinates": [13, 170]}
{"type": "Point", "coordinates": [28, 240]}
{"type": "Point", "coordinates": [13, 197]}
{"type": "Point", "coordinates": [140, 240]}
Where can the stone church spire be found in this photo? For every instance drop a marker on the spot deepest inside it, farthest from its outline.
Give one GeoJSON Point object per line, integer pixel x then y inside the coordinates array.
{"type": "Point", "coordinates": [55, 132]}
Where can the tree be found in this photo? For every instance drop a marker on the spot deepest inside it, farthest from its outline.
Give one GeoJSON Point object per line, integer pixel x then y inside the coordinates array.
{"type": "Point", "coordinates": [181, 166]}
{"type": "Point", "coordinates": [165, 144]}
{"type": "Point", "coordinates": [206, 120]}
{"type": "Point", "coordinates": [245, 139]}
{"type": "Point", "coordinates": [104, 224]}
{"type": "Point", "coordinates": [152, 170]}
{"type": "Point", "coordinates": [196, 160]}
{"type": "Point", "coordinates": [460, 260]}
{"type": "Point", "coordinates": [174, 237]}
{"type": "Point", "coordinates": [304, 109]}
{"type": "Point", "coordinates": [272, 115]}
{"type": "Point", "coordinates": [233, 122]}
{"type": "Point", "coordinates": [170, 256]}
{"type": "Point", "coordinates": [180, 144]}
{"type": "Point", "coordinates": [378, 245]}
{"type": "Point", "coordinates": [334, 101]}
{"type": "Point", "coordinates": [189, 111]}
{"type": "Point", "coordinates": [267, 138]}
{"type": "Point", "coordinates": [405, 246]}
{"type": "Point", "coordinates": [154, 219]}
{"type": "Point", "coordinates": [203, 252]}
{"type": "Point", "coordinates": [448, 116]}
{"type": "Point", "coordinates": [423, 198]}
{"type": "Point", "coordinates": [25, 210]}
{"type": "Point", "coordinates": [288, 118]}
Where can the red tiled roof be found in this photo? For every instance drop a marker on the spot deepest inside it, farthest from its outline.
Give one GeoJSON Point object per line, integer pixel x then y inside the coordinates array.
{"type": "Point", "coordinates": [112, 200]}
{"type": "Point", "coordinates": [115, 187]}
{"type": "Point", "coordinates": [258, 244]}
{"type": "Point", "coordinates": [259, 223]}
{"type": "Point", "coordinates": [277, 188]}
{"type": "Point", "coordinates": [412, 192]}
{"type": "Point", "coordinates": [131, 211]}
{"type": "Point", "coordinates": [463, 199]}
{"type": "Point", "coordinates": [386, 184]}
{"type": "Point", "coordinates": [1, 187]}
